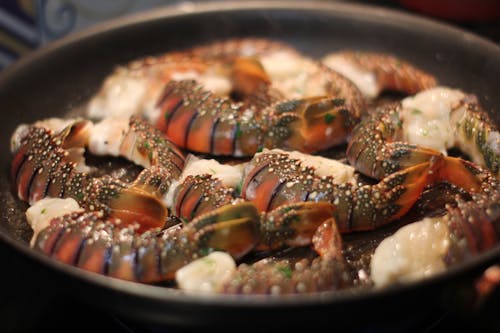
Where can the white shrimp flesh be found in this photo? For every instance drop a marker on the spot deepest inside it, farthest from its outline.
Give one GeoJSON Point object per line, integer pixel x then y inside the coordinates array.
{"type": "Point", "coordinates": [414, 252]}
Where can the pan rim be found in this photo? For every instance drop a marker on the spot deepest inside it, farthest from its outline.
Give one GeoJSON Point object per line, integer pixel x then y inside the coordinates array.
{"type": "Point", "coordinates": [363, 12]}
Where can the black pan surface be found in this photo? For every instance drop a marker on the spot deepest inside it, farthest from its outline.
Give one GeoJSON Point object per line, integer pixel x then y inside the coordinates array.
{"type": "Point", "coordinates": [63, 75]}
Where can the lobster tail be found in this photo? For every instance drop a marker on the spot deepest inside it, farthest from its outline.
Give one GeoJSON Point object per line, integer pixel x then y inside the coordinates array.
{"type": "Point", "coordinates": [475, 226]}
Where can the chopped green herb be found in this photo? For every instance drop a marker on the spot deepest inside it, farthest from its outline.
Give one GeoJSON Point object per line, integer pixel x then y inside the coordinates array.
{"type": "Point", "coordinates": [238, 131]}
{"type": "Point", "coordinates": [285, 270]}
{"type": "Point", "coordinates": [424, 132]}
{"type": "Point", "coordinates": [238, 187]}
{"type": "Point", "coordinates": [209, 261]}
{"type": "Point", "coordinates": [79, 196]}
{"type": "Point", "coordinates": [167, 115]}
{"type": "Point", "coordinates": [159, 140]}
{"type": "Point", "coordinates": [43, 211]}
{"type": "Point", "coordinates": [205, 251]}
{"type": "Point", "coordinates": [146, 145]}
{"type": "Point", "coordinates": [329, 118]}
{"type": "Point", "coordinates": [416, 111]}
{"type": "Point", "coordinates": [212, 171]}
{"type": "Point", "coordinates": [260, 149]}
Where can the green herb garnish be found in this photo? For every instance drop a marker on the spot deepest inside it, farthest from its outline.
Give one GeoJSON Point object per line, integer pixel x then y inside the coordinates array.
{"type": "Point", "coordinates": [329, 118]}
{"type": "Point", "coordinates": [209, 261]}
{"type": "Point", "coordinates": [238, 131]}
{"type": "Point", "coordinates": [285, 270]}
{"type": "Point", "coordinates": [205, 251]}
{"type": "Point", "coordinates": [238, 187]}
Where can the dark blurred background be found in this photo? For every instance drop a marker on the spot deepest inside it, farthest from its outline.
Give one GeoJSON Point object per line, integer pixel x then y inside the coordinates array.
{"type": "Point", "coordinates": [26, 306]}
{"type": "Point", "coordinates": [27, 24]}
{"type": "Point", "coordinates": [481, 17]}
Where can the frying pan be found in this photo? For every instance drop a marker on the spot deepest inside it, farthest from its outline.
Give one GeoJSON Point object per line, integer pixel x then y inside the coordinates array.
{"type": "Point", "coordinates": [63, 75]}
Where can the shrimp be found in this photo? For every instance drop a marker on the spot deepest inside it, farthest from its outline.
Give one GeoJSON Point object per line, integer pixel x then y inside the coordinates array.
{"type": "Point", "coordinates": [327, 271]}
{"type": "Point", "coordinates": [134, 88]}
{"type": "Point", "coordinates": [293, 225]}
{"type": "Point", "coordinates": [273, 178]}
{"type": "Point", "coordinates": [420, 128]}
{"type": "Point", "coordinates": [428, 247]}
{"type": "Point", "coordinates": [48, 164]}
{"type": "Point", "coordinates": [195, 119]}
{"type": "Point", "coordinates": [374, 73]}
{"type": "Point", "coordinates": [104, 245]}
{"type": "Point", "coordinates": [235, 98]}
{"type": "Point", "coordinates": [205, 184]}
{"type": "Point", "coordinates": [43, 211]}
{"type": "Point", "coordinates": [94, 242]}
{"type": "Point", "coordinates": [282, 99]}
